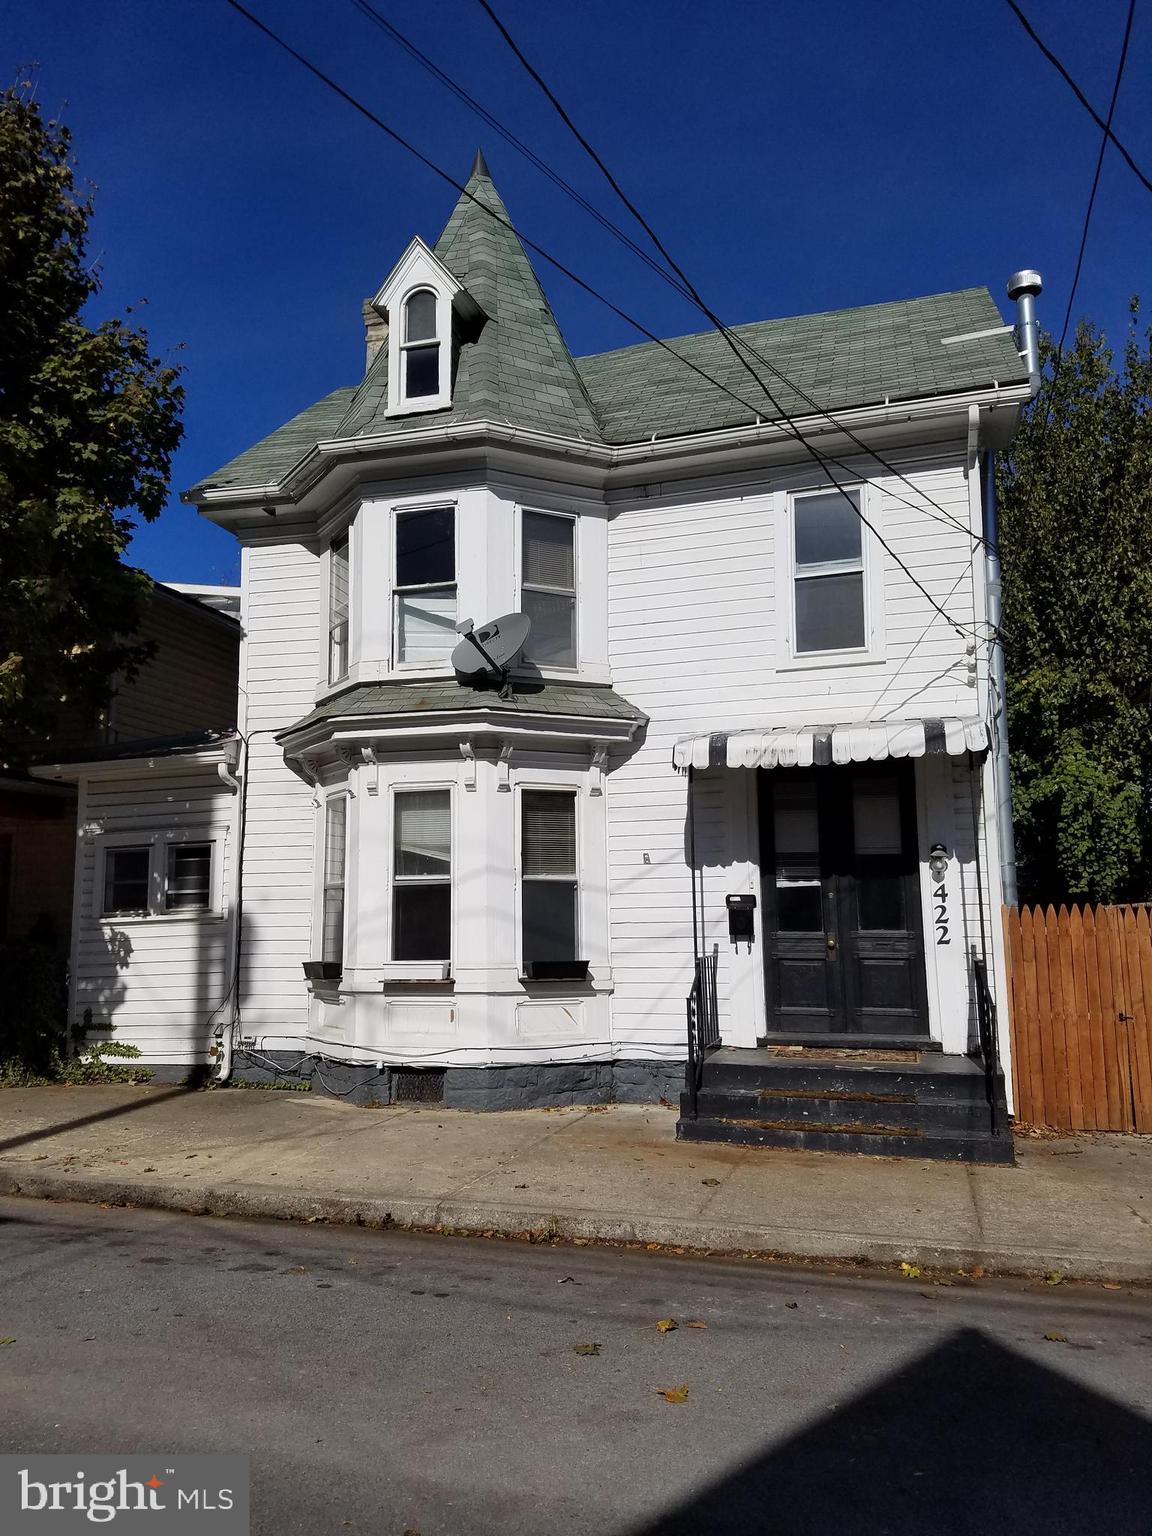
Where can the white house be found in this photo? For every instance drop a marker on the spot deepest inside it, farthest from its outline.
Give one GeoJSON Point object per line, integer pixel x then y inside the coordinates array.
{"type": "Point", "coordinates": [758, 668]}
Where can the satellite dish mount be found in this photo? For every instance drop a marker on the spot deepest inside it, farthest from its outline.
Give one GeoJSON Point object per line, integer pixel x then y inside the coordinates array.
{"type": "Point", "coordinates": [492, 648]}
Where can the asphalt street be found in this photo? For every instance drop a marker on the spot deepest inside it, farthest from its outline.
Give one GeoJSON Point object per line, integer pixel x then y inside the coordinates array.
{"type": "Point", "coordinates": [391, 1383]}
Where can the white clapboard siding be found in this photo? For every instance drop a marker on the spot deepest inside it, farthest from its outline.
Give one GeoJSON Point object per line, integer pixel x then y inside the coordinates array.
{"type": "Point", "coordinates": [190, 683]}
{"type": "Point", "coordinates": [694, 641]}
{"type": "Point", "coordinates": [279, 673]}
{"type": "Point", "coordinates": [157, 983]}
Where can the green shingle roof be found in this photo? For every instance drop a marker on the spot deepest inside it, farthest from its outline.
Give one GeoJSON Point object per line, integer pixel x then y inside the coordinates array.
{"type": "Point", "coordinates": [587, 701]}
{"type": "Point", "coordinates": [516, 367]}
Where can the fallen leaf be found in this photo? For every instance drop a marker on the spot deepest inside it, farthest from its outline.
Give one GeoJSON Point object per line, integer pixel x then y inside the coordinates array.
{"type": "Point", "coordinates": [1108, 1287]}
{"type": "Point", "coordinates": [673, 1394]}
{"type": "Point", "coordinates": [910, 1271]}
{"type": "Point", "coordinates": [977, 1271]}
{"type": "Point", "coordinates": [653, 1247]}
{"type": "Point", "coordinates": [666, 1324]}
{"type": "Point", "coordinates": [568, 1280]}
{"type": "Point", "coordinates": [11, 1339]}
{"type": "Point", "coordinates": [709, 1181]}
{"type": "Point", "coordinates": [696, 1323]}
{"type": "Point", "coordinates": [1056, 1338]}
{"type": "Point", "coordinates": [1053, 1277]}
{"type": "Point", "coordinates": [792, 1305]}
{"type": "Point", "coordinates": [586, 1349]}
{"type": "Point", "coordinates": [519, 1186]}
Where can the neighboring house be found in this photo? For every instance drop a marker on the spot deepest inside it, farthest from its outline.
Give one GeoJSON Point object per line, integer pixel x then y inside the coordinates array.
{"type": "Point", "coordinates": [179, 709]}
{"type": "Point", "coordinates": [738, 684]}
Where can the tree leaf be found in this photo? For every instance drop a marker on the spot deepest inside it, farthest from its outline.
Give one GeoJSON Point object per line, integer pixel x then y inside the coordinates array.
{"type": "Point", "coordinates": [695, 1323]}
{"type": "Point", "coordinates": [910, 1271]}
{"type": "Point", "coordinates": [666, 1325]}
{"type": "Point", "coordinates": [1053, 1277]}
{"type": "Point", "coordinates": [1056, 1338]}
{"type": "Point", "coordinates": [586, 1349]}
{"type": "Point", "coordinates": [673, 1394]}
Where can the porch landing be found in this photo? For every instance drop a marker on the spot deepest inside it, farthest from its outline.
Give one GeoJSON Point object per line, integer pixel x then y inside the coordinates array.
{"type": "Point", "coordinates": [892, 1103]}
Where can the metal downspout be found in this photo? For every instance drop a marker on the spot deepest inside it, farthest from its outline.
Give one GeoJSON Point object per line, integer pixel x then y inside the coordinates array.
{"type": "Point", "coordinates": [1001, 773]}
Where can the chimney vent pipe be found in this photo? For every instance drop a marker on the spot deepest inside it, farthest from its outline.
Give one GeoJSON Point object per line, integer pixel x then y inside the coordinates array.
{"type": "Point", "coordinates": [1023, 288]}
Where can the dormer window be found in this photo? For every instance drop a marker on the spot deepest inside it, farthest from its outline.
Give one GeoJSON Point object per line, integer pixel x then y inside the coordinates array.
{"type": "Point", "coordinates": [421, 346]}
{"type": "Point", "coordinates": [422, 301]}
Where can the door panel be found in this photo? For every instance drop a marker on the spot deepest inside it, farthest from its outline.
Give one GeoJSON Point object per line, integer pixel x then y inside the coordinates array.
{"type": "Point", "coordinates": [843, 944]}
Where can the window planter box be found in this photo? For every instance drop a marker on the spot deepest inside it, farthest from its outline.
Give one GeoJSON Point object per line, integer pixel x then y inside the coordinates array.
{"type": "Point", "coordinates": [322, 970]}
{"type": "Point", "coordinates": [556, 970]}
{"type": "Point", "coordinates": [414, 970]}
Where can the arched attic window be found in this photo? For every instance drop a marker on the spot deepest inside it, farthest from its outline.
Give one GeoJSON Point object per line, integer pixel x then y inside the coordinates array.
{"type": "Point", "coordinates": [420, 347]}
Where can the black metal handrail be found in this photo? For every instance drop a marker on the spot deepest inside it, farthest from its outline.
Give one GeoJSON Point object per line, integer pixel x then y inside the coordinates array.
{"type": "Point", "coordinates": [703, 1023]}
{"type": "Point", "coordinates": [987, 1035]}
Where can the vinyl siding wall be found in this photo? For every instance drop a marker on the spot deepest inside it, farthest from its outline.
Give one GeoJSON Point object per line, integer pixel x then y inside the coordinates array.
{"type": "Point", "coordinates": [696, 640]}
{"type": "Point", "coordinates": [280, 661]}
{"type": "Point", "coordinates": [156, 982]}
{"type": "Point", "coordinates": [189, 685]}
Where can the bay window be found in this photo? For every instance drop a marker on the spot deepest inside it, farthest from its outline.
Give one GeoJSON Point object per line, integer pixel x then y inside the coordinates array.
{"type": "Point", "coordinates": [548, 588]}
{"type": "Point", "coordinates": [424, 592]}
{"type": "Point", "coordinates": [828, 574]}
{"type": "Point", "coordinates": [550, 887]}
{"type": "Point", "coordinates": [422, 874]}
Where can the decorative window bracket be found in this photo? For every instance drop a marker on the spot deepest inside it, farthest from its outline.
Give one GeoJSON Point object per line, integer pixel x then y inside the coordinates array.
{"type": "Point", "coordinates": [503, 783]}
{"type": "Point", "coordinates": [597, 769]}
{"type": "Point", "coordinates": [468, 753]}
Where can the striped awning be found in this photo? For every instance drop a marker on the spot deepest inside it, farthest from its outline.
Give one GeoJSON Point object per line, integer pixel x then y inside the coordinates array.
{"type": "Point", "coordinates": [807, 746]}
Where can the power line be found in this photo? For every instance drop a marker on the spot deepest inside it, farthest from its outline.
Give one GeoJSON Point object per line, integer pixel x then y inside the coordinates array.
{"type": "Point", "coordinates": [1079, 94]}
{"type": "Point", "coordinates": [586, 287]}
{"type": "Point", "coordinates": [1096, 178]}
{"type": "Point", "coordinates": [734, 344]}
{"type": "Point", "coordinates": [945, 517]}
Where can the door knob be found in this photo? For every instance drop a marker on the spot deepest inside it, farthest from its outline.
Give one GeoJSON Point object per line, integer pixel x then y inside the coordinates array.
{"type": "Point", "coordinates": [831, 941]}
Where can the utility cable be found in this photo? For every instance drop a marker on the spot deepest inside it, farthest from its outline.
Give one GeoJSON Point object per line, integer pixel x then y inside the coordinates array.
{"type": "Point", "coordinates": [1079, 94]}
{"type": "Point", "coordinates": [1096, 179]}
{"type": "Point", "coordinates": [945, 517]}
{"type": "Point", "coordinates": [792, 430]}
{"type": "Point", "coordinates": [734, 344]}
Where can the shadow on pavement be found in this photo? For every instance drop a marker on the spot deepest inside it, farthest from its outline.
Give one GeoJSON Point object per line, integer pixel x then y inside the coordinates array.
{"type": "Point", "coordinates": [970, 1439]}
{"type": "Point", "coordinates": [46, 1131]}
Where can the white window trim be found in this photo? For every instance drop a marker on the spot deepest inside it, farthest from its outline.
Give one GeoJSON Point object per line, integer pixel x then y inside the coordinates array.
{"type": "Point", "coordinates": [158, 841]}
{"type": "Point", "coordinates": [550, 786]}
{"type": "Point", "coordinates": [547, 668]}
{"type": "Point", "coordinates": [328, 680]}
{"type": "Point", "coordinates": [443, 665]}
{"type": "Point", "coordinates": [421, 787]}
{"type": "Point", "coordinates": [872, 566]}
{"type": "Point", "coordinates": [320, 883]}
{"type": "Point", "coordinates": [442, 340]}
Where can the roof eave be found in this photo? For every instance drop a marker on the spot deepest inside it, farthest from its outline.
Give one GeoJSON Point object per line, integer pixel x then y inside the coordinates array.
{"type": "Point", "coordinates": [457, 725]}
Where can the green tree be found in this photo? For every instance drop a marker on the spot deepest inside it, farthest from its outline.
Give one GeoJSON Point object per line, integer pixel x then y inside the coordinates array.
{"type": "Point", "coordinates": [89, 420]}
{"type": "Point", "coordinates": [1076, 546]}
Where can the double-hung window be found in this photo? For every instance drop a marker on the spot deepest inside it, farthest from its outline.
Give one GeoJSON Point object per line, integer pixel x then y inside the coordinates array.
{"type": "Point", "coordinates": [335, 852]}
{"type": "Point", "coordinates": [420, 346]}
{"type": "Point", "coordinates": [549, 881]}
{"type": "Point", "coordinates": [422, 874]}
{"type": "Point", "coordinates": [548, 588]}
{"type": "Point", "coordinates": [158, 877]}
{"type": "Point", "coordinates": [828, 573]}
{"type": "Point", "coordinates": [425, 588]}
{"type": "Point", "coordinates": [338, 609]}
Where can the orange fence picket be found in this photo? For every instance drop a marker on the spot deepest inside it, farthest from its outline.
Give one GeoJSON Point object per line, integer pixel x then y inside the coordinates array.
{"type": "Point", "coordinates": [1080, 999]}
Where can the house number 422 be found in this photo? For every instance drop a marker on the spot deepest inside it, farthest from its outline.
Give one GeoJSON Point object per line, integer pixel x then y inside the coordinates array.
{"type": "Point", "coordinates": [940, 901]}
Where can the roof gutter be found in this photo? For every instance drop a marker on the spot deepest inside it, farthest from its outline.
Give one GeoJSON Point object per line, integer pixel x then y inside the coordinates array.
{"type": "Point", "coordinates": [314, 464]}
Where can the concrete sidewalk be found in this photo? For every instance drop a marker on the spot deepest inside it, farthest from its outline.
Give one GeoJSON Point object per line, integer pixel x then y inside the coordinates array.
{"type": "Point", "coordinates": [1082, 1206]}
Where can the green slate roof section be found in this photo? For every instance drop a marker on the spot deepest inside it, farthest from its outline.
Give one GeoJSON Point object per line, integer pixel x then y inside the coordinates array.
{"type": "Point", "coordinates": [574, 700]}
{"type": "Point", "coordinates": [844, 358]}
{"type": "Point", "coordinates": [518, 367]}
{"type": "Point", "coordinates": [274, 455]}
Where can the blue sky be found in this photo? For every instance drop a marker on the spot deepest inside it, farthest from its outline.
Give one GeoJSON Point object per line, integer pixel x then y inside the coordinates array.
{"type": "Point", "coordinates": [797, 155]}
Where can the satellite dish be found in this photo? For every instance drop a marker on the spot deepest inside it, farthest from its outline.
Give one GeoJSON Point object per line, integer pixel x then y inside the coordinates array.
{"type": "Point", "coordinates": [493, 647]}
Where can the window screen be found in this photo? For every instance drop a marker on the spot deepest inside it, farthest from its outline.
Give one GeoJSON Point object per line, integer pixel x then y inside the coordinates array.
{"type": "Point", "coordinates": [422, 875]}
{"type": "Point", "coordinates": [829, 572]}
{"type": "Point", "coordinates": [548, 588]}
{"type": "Point", "coordinates": [188, 881]}
{"type": "Point", "coordinates": [126, 873]}
{"type": "Point", "coordinates": [425, 596]}
{"type": "Point", "coordinates": [548, 874]}
{"type": "Point", "coordinates": [335, 837]}
{"type": "Point", "coordinates": [338, 609]}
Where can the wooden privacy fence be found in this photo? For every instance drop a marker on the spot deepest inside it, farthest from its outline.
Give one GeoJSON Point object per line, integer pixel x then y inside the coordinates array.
{"type": "Point", "coordinates": [1080, 988]}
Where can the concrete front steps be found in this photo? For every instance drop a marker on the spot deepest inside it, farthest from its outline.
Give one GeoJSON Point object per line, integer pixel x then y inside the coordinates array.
{"type": "Point", "coordinates": [907, 1103]}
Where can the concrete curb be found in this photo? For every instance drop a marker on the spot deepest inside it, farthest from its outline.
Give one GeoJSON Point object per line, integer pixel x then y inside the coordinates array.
{"type": "Point", "coordinates": [460, 1217]}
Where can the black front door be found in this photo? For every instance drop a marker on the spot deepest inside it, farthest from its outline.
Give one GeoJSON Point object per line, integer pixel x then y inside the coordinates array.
{"type": "Point", "coordinates": [843, 940]}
